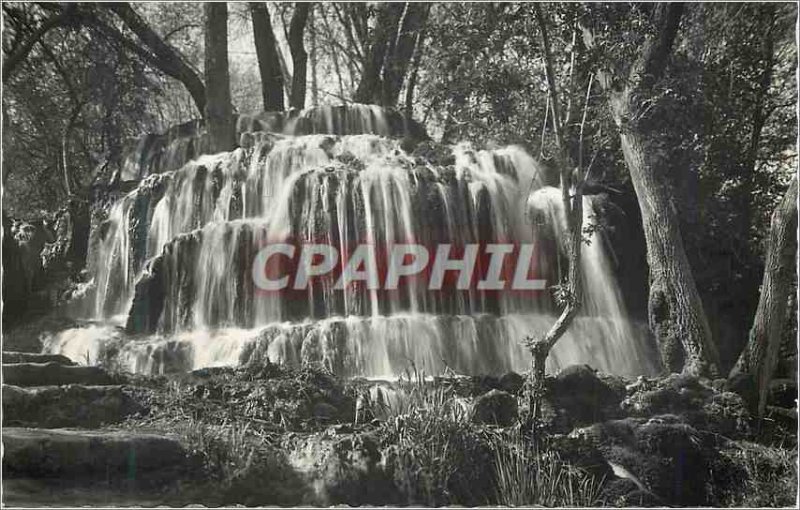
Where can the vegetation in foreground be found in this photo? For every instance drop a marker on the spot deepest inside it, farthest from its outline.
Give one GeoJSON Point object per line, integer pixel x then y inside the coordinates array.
{"type": "Point", "coordinates": [281, 436]}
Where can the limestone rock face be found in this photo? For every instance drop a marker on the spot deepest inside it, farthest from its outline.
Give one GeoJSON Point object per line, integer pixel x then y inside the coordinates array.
{"type": "Point", "coordinates": [496, 408]}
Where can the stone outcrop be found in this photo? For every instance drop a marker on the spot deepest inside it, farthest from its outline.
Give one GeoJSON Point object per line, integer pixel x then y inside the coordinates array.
{"type": "Point", "coordinates": [53, 373]}
{"type": "Point", "coordinates": [74, 405]}
{"type": "Point", "coordinates": [74, 453]}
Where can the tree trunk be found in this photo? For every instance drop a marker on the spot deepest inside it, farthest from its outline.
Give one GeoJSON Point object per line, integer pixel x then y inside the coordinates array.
{"type": "Point", "coordinates": [412, 79]}
{"type": "Point", "coordinates": [219, 112]}
{"type": "Point", "coordinates": [571, 184]}
{"type": "Point", "coordinates": [370, 86]}
{"type": "Point", "coordinates": [299, 56]}
{"type": "Point", "coordinates": [313, 39]}
{"type": "Point", "coordinates": [675, 310]}
{"type": "Point", "coordinates": [268, 60]}
{"type": "Point", "coordinates": [761, 352]}
{"type": "Point", "coordinates": [396, 62]}
{"type": "Point", "coordinates": [73, 119]}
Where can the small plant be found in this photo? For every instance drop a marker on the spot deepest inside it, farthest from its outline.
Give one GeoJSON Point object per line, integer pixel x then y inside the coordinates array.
{"type": "Point", "coordinates": [436, 456]}
{"type": "Point", "coordinates": [526, 477]}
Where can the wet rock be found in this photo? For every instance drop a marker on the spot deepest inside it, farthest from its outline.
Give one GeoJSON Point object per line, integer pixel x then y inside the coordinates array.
{"type": "Point", "coordinates": [41, 453]}
{"type": "Point", "coordinates": [342, 469]}
{"type": "Point", "coordinates": [32, 357]}
{"type": "Point", "coordinates": [496, 408]}
{"type": "Point", "coordinates": [66, 406]}
{"type": "Point", "coordinates": [28, 337]}
{"type": "Point", "coordinates": [49, 374]}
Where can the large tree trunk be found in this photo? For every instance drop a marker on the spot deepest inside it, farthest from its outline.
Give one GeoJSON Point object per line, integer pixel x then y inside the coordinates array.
{"type": "Point", "coordinates": [299, 56]}
{"type": "Point", "coordinates": [219, 112]}
{"type": "Point", "coordinates": [760, 355]}
{"type": "Point", "coordinates": [269, 64]}
{"type": "Point", "coordinates": [675, 309]}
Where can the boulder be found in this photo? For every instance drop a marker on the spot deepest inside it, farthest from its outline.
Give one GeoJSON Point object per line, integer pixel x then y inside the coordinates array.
{"type": "Point", "coordinates": [67, 406]}
{"type": "Point", "coordinates": [511, 382]}
{"type": "Point", "coordinates": [495, 408]}
{"type": "Point", "coordinates": [579, 396]}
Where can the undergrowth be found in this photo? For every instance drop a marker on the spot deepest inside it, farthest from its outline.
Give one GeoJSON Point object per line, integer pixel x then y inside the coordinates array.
{"type": "Point", "coordinates": [437, 456]}
{"type": "Point", "coordinates": [768, 475]}
{"type": "Point", "coordinates": [527, 477]}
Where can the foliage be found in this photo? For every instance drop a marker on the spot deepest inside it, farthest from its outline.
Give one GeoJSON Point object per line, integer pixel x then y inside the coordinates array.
{"type": "Point", "coordinates": [766, 477]}
{"type": "Point", "coordinates": [436, 456]}
{"type": "Point", "coordinates": [271, 398]}
{"type": "Point", "coordinates": [526, 477]}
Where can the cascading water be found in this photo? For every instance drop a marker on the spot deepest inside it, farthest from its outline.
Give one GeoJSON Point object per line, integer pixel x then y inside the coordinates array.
{"type": "Point", "coordinates": [175, 257]}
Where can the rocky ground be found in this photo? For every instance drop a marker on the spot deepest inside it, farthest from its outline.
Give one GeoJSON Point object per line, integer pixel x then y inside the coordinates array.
{"type": "Point", "coordinates": [266, 435]}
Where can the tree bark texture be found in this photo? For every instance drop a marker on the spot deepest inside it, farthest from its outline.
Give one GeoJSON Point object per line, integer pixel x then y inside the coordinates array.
{"type": "Point", "coordinates": [219, 112]}
{"type": "Point", "coordinates": [675, 310]}
{"type": "Point", "coordinates": [269, 64]}
{"type": "Point", "coordinates": [299, 55]}
{"type": "Point", "coordinates": [760, 355]}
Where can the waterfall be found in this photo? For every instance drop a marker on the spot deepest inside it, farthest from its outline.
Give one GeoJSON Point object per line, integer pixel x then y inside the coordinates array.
{"type": "Point", "coordinates": [175, 258]}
